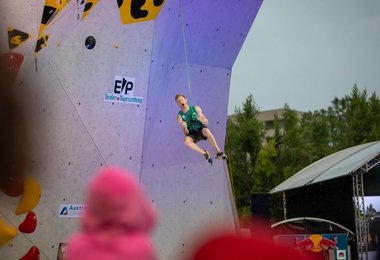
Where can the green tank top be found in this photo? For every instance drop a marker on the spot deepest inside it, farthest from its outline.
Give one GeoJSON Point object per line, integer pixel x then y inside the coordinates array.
{"type": "Point", "coordinates": [191, 119]}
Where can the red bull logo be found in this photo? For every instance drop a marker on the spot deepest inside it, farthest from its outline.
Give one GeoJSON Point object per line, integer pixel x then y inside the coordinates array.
{"type": "Point", "coordinates": [316, 243]}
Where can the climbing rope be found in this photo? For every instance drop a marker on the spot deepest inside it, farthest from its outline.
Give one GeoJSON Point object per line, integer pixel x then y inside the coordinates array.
{"type": "Point", "coordinates": [229, 164]}
{"type": "Point", "coordinates": [185, 51]}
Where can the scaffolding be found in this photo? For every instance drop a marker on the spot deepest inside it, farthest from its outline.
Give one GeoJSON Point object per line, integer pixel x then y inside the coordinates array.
{"type": "Point", "coordinates": [360, 214]}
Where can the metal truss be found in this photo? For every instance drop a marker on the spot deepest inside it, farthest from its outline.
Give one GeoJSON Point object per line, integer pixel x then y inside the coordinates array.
{"type": "Point", "coordinates": [284, 204]}
{"type": "Point", "coordinates": [361, 222]}
{"type": "Point", "coordinates": [360, 217]}
{"type": "Point", "coordinates": [371, 163]}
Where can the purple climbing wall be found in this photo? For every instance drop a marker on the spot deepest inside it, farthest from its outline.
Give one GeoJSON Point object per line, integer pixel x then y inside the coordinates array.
{"type": "Point", "coordinates": [190, 193]}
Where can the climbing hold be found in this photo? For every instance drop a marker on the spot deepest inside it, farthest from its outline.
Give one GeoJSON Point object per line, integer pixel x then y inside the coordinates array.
{"type": "Point", "coordinates": [41, 43]}
{"type": "Point", "coordinates": [16, 37]}
{"type": "Point", "coordinates": [88, 6]}
{"type": "Point", "coordinates": [90, 42]}
{"type": "Point", "coordinates": [33, 254]}
{"type": "Point", "coordinates": [6, 233]}
{"type": "Point", "coordinates": [139, 11]}
{"type": "Point", "coordinates": [30, 197]}
{"type": "Point", "coordinates": [10, 65]}
{"type": "Point", "coordinates": [51, 9]}
{"type": "Point", "coordinates": [29, 224]}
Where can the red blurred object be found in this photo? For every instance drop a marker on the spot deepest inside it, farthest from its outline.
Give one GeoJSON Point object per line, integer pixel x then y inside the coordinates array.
{"type": "Point", "coordinates": [227, 245]}
{"type": "Point", "coordinates": [237, 247]}
{"type": "Point", "coordinates": [12, 183]}
{"type": "Point", "coordinates": [328, 244]}
{"type": "Point", "coordinates": [12, 128]}
{"type": "Point", "coordinates": [11, 63]}
{"type": "Point", "coordinates": [29, 224]}
{"type": "Point", "coordinates": [305, 244]}
{"type": "Point", "coordinates": [33, 254]}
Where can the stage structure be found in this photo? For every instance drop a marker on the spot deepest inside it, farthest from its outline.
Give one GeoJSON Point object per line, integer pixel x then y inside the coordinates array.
{"type": "Point", "coordinates": [334, 190]}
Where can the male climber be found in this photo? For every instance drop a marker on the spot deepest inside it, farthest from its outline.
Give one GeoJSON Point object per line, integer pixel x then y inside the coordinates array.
{"type": "Point", "coordinates": [194, 125]}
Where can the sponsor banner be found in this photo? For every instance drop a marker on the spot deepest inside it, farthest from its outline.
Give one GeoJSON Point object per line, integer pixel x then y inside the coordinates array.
{"type": "Point", "coordinates": [123, 88]}
{"type": "Point", "coordinates": [71, 210]}
{"type": "Point", "coordinates": [317, 243]}
{"type": "Point", "coordinates": [123, 99]}
{"type": "Point", "coordinates": [124, 85]}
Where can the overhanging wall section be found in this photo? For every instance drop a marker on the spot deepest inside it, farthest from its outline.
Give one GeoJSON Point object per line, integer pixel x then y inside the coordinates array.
{"type": "Point", "coordinates": [190, 194]}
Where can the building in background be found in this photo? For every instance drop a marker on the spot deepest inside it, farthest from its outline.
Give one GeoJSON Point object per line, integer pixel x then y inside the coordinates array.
{"type": "Point", "coordinates": [267, 118]}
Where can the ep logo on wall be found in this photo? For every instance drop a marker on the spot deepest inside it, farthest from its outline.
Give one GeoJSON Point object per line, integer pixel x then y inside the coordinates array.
{"type": "Point", "coordinates": [123, 88]}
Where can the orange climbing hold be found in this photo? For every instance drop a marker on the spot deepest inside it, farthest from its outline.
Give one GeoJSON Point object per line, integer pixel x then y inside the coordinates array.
{"type": "Point", "coordinates": [30, 197]}
{"type": "Point", "coordinates": [6, 233]}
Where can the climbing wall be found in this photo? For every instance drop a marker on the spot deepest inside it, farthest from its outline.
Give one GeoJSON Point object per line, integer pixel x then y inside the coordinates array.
{"type": "Point", "coordinates": [79, 124]}
{"type": "Point", "coordinates": [191, 195]}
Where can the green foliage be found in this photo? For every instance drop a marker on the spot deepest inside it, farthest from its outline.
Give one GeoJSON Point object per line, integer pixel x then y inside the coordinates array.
{"type": "Point", "coordinates": [354, 119]}
{"type": "Point", "coordinates": [265, 168]}
{"type": "Point", "coordinates": [258, 163]}
{"type": "Point", "coordinates": [243, 145]}
{"type": "Point", "coordinates": [293, 152]}
{"type": "Point", "coordinates": [315, 131]}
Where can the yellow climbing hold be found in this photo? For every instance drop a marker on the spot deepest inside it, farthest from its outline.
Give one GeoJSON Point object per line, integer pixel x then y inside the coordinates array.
{"type": "Point", "coordinates": [6, 233]}
{"type": "Point", "coordinates": [30, 197]}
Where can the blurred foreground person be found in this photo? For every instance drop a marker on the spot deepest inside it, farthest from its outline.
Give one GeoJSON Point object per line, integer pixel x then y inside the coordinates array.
{"type": "Point", "coordinates": [229, 245]}
{"type": "Point", "coordinates": [232, 246]}
{"type": "Point", "coordinates": [13, 130]}
{"type": "Point", "coordinates": [117, 220]}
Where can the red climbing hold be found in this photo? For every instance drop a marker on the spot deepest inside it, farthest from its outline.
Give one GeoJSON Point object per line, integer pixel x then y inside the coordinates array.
{"type": "Point", "coordinates": [29, 224]}
{"type": "Point", "coordinates": [33, 254]}
{"type": "Point", "coordinates": [10, 65]}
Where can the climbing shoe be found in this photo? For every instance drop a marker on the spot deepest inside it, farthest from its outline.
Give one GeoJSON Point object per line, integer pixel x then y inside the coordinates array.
{"type": "Point", "coordinates": [208, 157]}
{"type": "Point", "coordinates": [221, 155]}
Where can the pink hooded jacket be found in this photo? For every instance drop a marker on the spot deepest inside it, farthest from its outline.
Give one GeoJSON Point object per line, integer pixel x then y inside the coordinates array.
{"type": "Point", "coordinates": [117, 221]}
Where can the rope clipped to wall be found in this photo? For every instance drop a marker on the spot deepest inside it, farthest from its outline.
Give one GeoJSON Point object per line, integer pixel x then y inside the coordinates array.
{"type": "Point", "coordinates": [185, 51]}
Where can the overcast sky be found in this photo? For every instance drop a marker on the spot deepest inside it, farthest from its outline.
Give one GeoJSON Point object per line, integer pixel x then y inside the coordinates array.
{"type": "Point", "coordinates": [306, 52]}
{"type": "Point", "coordinates": [374, 200]}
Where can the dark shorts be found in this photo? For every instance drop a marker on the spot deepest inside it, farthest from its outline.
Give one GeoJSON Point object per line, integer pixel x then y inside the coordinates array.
{"type": "Point", "coordinates": [197, 135]}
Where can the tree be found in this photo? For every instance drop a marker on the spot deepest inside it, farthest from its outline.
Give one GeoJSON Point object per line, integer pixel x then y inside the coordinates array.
{"type": "Point", "coordinates": [294, 154]}
{"type": "Point", "coordinates": [354, 119]}
{"type": "Point", "coordinates": [259, 163]}
{"type": "Point", "coordinates": [315, 131]}
{"type": "Point", "coordinates": [265, 172]}
{"type": "Point", "coordinates": [244, 138]}
{"type": "Point", "coordinates": [374, 110]}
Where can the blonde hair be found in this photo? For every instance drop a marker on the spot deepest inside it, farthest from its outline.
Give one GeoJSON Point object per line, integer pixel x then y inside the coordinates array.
{"type": "Point", "coordinates": [179, 95]}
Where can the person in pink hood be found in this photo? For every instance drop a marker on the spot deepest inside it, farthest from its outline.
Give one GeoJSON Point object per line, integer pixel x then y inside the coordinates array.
{"type": "Point", "coordinates": [117, 221]}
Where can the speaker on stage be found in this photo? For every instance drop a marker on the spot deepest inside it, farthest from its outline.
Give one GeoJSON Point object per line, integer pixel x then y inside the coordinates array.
{"type": "Point", "coordinates": [260, 212]}
{"type": "Point", "coordinates": [260, 205]}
